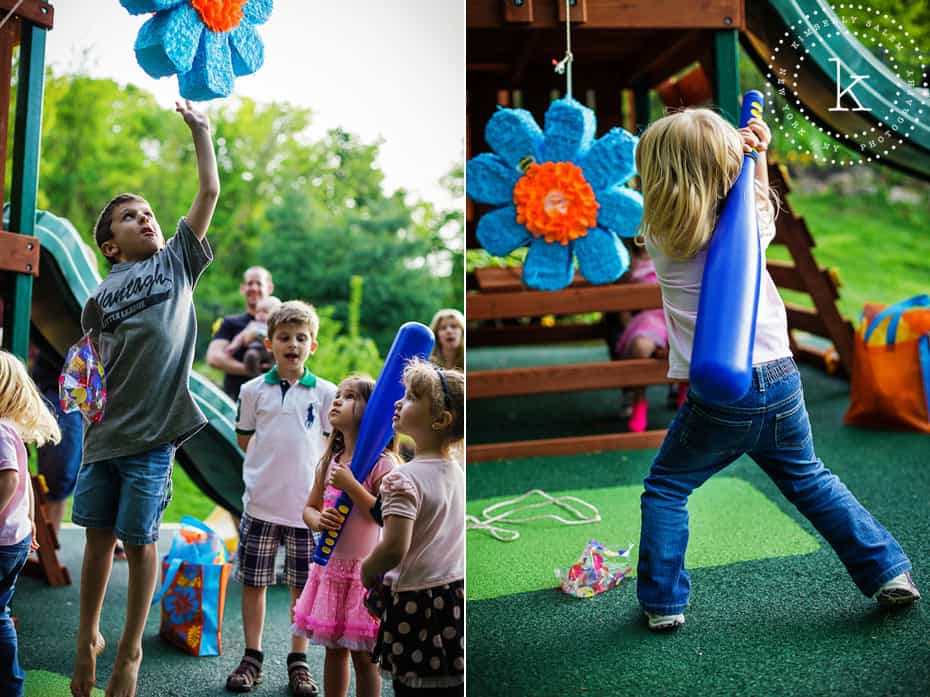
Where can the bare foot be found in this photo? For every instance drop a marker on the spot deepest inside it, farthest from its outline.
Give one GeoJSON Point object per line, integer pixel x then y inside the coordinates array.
{"type": "Point", "coordinates": [125, 675]}
{"type": "Point", "coordinates": [85, 667]}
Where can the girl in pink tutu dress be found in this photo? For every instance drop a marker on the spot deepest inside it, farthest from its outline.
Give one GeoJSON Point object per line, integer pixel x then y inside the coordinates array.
{"type": "Point", "coordinates": [330, 611]}
{"type": "Point", "coordinates": [645, 336]}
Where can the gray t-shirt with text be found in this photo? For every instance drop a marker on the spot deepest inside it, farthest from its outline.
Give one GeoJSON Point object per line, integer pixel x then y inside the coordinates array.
{"type": "Point", "coordinates": [142, 322]}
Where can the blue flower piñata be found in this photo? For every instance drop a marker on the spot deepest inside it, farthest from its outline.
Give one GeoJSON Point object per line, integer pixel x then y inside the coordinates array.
{"type": "Point", "coordinates": [559, 191]}
{"type": "Point", "coordinates": [206, 42]}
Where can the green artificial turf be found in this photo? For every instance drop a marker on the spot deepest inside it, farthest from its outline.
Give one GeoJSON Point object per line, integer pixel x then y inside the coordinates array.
{"type": "Point", "coordinates": [48, 619]}
{"type": "Point", "coordinates": [731, 521]}
{"type": "Point", "coordinates": [792, 626]}
{"type": "Point", "coordinates": [41, 683]}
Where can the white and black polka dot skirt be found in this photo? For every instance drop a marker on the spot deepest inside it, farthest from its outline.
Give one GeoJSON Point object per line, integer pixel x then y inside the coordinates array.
{"type": "Point", "coordinates": [421, 642]}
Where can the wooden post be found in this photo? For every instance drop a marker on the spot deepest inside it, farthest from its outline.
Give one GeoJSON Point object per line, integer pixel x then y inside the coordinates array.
{"type": "Point", "coordinates": [48, 566]}
{"type": "Point", "coordinates": [518, 11]}
{"type": "Point", "coordinates": [7, 41]}
{"type": "Point", "coordinates": [726, 73]}
{"type": "Point", "coordinates": [24, 189]}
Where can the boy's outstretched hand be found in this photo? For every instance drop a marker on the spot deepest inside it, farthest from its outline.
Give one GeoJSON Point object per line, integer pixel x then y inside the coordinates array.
{"type": "Point", "coordinates": [192, 117]}
{"type": "Point", "coordinates": [201, 211]}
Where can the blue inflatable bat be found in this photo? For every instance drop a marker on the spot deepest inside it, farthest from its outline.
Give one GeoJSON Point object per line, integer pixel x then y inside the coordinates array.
{"type": "Point", "coordinates": [413, 340]}
{"type": "Point", "coordinates": [721, 358]}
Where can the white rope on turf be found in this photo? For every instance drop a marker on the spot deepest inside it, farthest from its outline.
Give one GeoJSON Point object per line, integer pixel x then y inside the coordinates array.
{"type": "Point", "coordinates": [490, 518]}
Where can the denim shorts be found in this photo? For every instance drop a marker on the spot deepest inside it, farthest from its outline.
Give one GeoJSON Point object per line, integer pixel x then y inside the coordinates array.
{"type": "Point", "coordinates": [60, 463]}
{"type": "Point", "coordinates": [128, 494]}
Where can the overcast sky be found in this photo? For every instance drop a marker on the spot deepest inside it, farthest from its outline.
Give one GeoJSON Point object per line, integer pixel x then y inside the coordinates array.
{"type": "Point", "coordinates": [392, 70]}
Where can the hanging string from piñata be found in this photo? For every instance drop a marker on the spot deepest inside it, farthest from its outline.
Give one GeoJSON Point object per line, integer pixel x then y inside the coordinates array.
{"type": "Point", "coordinates": [557, 190]}
{"type": "Point", "coordinates": [564, 66]}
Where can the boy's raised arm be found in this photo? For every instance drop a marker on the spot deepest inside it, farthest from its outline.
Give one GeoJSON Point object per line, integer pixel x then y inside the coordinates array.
{"type": "Point", "coordinates": [198, 217]}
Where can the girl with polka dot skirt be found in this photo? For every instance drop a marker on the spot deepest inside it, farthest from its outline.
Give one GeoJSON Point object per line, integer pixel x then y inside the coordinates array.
{"type": "Point", "coordinates": [421, 554]}
{"type": "Point", "coordinates": [331, 611]}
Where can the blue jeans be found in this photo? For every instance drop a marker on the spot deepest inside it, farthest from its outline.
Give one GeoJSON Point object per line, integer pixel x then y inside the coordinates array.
{"type": "Point", "coordinates": [12, 560]}
{"type": "Point", "coordinates": [128, 494]}
{"type": "Point", "coordinates": [770, 424]}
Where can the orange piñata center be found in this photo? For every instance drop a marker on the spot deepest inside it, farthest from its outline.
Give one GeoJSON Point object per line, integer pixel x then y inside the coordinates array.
{"type": "Point", "coordinates": [219, 15]}
{"type": "Point", "coordinates": [555, 201]}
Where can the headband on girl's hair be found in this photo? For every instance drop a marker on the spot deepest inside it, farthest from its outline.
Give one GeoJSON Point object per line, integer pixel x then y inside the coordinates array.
{"type": "Point", "coordinates": [447, 397]}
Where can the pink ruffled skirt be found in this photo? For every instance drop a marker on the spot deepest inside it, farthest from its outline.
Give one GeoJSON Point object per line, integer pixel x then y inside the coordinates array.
{"type": "Point", "coordinates": [331, 609]}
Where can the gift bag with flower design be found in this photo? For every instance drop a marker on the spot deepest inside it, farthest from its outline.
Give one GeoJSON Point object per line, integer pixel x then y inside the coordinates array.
{"type": "Point", "coordinates": [193, 592]}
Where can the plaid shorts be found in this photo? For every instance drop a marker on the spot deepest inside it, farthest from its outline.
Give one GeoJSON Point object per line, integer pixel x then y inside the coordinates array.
{"type": "Point", "coordinates": [258, 548]}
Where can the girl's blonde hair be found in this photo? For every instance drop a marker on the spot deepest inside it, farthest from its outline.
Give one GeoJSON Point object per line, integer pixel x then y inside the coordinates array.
{"type": "Point", "coordinates": [688, 162]}
{"type": "Point", "coordinates": [436, 356]}
{"type": "Point", "coordinates": [336, 445]}
{"type": "Point", "coordinates": [445, 389]}
{"type": "Point", "coordinates": [22, 403]}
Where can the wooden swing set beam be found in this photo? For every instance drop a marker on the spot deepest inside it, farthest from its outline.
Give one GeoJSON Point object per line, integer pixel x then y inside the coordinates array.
{"type": "Point", "coordinates": [608, 14]}
{"type": "Point", "coordinates": [40, 13]}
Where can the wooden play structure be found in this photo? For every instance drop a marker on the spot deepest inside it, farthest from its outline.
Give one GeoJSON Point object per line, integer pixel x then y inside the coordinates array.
{"type": "Point", "coordinates": [25, 23]}
{"type": "Point", "coordinates": [685, 52]}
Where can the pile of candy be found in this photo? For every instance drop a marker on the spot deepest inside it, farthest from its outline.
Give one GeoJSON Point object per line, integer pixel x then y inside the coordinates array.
{"type": "Point", "coordinates": [81, 385]}
{"type": "Point", "coordinates": [599, 569]}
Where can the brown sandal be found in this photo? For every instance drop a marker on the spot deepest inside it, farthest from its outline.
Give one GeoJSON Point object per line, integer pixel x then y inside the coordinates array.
{"type": "Point", "coordinates": [300, 681]}
{"type": "Point", "coordinates": [246, 677]}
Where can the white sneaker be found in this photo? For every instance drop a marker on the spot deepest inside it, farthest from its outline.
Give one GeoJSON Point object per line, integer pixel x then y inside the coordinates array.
{"type": "Point", "coordinates": [898, 591]}
{"type": "Point", "coordinates": [665, 623]}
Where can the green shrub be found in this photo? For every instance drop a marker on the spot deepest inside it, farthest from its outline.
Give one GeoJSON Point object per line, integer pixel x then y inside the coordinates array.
{"type": "Point", "coordinates": [342, 353]}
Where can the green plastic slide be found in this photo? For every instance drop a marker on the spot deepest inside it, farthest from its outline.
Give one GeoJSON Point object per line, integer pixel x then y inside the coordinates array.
{"type": "Point", "coordinates": [879, 108]}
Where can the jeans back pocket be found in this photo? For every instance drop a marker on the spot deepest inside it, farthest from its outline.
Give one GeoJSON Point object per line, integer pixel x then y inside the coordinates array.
{"type": "Point", "coordinates": [720, 432]}
{"type": "Point", "coordinates": [792, 427]}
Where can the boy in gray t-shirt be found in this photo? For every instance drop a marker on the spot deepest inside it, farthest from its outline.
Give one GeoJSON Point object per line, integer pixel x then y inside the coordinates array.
{"type": "Point", "coordinates": [141, 320]}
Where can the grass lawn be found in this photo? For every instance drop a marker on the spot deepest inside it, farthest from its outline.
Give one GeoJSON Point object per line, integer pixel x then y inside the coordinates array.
{"type": "Point", "coordinates": [881, 249]}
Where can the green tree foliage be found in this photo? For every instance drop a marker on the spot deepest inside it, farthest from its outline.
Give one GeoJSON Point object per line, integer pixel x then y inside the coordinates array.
{"type": "Point", "coordinates": [313, 210]}
{"type": "Point", "coordinates": [344, 352]}
{"type": "Point", "coordinates": [315, 244]}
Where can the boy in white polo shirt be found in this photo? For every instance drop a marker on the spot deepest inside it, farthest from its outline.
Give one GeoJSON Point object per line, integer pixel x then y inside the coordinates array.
{"type": "Point", "coordinates": [286, 412]}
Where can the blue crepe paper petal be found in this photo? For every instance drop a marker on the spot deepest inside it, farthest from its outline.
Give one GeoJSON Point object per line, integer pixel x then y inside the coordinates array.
{"type": "Point", "coordinates": [167, 43]}
{"type": "Point", "coordinates": [548, 265]}
{"type": "Point", "coordinates": [621, 209]}
{"type": "Point", "coordinates": [257, 11]}
{"type": "Point", "coordinates": [500, 233]}
{"type": "Point", "coordinates": [248, 52]}
{"type": "Point", "coordinates": [602, 257]}
{"type": "Point", "coordinates": [489, 180]}
{"type": "Point", "coordinates": [211, 75]}
{"type": "Point", "coordinates": [513, 134]}
{"type": "Point", "coordinates": [140, 7]}
{"type": "Point", "coordinates": [569, 131]}
{"type": "Point", "coordinates": [611, 160]}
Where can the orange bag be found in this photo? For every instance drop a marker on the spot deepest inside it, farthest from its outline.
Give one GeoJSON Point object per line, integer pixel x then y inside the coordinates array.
{"type": "Point", "coordinates": [891, 367]}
